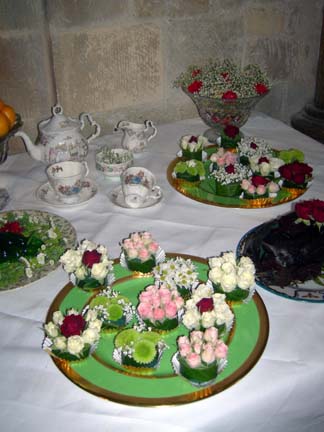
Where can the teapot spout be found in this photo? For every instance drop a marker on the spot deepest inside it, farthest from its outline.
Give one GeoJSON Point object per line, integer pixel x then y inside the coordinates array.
{"type": "Point", "coordinates": [36, 151]}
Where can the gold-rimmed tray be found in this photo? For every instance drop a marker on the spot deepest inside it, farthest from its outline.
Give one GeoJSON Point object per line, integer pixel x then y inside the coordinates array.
{"type": "Point", "coordinates": [203, 191]}
{"type": "Point", "coordinates": [102, 376]}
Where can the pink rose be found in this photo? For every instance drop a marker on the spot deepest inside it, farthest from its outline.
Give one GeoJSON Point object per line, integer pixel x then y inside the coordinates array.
{"type": "Point", "coordinates": [143, 254]}
{"type": "Point", "coordinates": [139, 244]}
{"type": "Point", "coordinates": [196, 336]}
{"type": "Point", "coordinates": [208, 355]}
{"type": "Point", "coordinates": [179, 302]}
{"type": "Point", "coordinates": [251, 189]}
{"type": "Point", "coordinates": [221, 350]}
{"type": "Point", "coordinates": [214, 157]}
{"type": "Point", "coordinates": [135, 237]}
{"type": "Point", "coordinates": [145, 310]}
{"type": "Point", "coordinates": [261, 190]}
{"type": "Point", "coordinates": [273, 187]}
{"type": "Point", "coordinates": [197, 347]}
{"type": "Point", "coordinates": [184, 349]}
{"type": "Point", "coordinates": [155, 300]}
{"type": "Point", "coordinates": [145, 296]}
{"type": "Point", "coordinates": [171, 310]}
{"type": "Point", "coordinates": [221, 161]}
{"type": "Point", "coordinates": [230, 158]}
{"type": "Point", "coordinates": [193, 360]}
{"type": "Point", "coordinates": [132, 253]}
{"type": "Point", "coordinates": [158, 314]}
{"type": "Point", "coordinates": [245, 184]}
{"type": "Point", "coordinates": [127, 243]}
{"type": "Point", "coordinates": [211, 334]}
{"type": "Point", "coordinates": [183, 340]}
{"type": "Point", "coordinates": [153, 247]}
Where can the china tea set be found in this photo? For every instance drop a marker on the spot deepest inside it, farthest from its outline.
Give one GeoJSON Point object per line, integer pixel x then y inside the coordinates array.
{"type": "Point", "coordinates": [63, 148]}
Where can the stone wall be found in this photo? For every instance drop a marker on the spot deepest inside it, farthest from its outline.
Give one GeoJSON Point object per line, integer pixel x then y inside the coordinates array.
{"type": "Point", "coordinates": [117, 59]}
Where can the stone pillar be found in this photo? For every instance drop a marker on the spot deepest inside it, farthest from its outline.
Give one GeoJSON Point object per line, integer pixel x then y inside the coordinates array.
{"type": "Point", "coordinates": [310, 120]}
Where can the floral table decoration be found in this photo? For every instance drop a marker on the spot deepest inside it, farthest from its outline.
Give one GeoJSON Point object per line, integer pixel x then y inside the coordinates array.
{"type": "Point", "coordinates": [208, 309]}
{"type": "Point", "coordinates": [258, 188]}
{"type": "Point", "coordinates": [72, 336]}
{"type": "Point", "coordinates": [177, 273]}
{"type": "Point", "coordinates": [88, 265]}
{"type": "Point", "coordinates": [192, 146]}
{"type": "Point", "coordinates": [201, 356]}
{"type": "Point", "coordinates": [228, 179]}
{"type": "Point", "coordinates": [160, 308]}
{"type": "Point", "coordinates": [230, 137]}
{"type": "Point", "coordinates": [296, 175]}
{"type": "Point", "coordinates": [223, 93]}
{"type": "Point", "coordinates": [231, 276]}
{"type": "Point", "coordinates": [191, 171]}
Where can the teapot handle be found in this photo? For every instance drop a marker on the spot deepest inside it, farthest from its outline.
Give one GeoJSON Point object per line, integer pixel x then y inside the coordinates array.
{"type": "Point", "coordinates": [92, 123]}
{"type": "Point", "coordinates": [149, 124]}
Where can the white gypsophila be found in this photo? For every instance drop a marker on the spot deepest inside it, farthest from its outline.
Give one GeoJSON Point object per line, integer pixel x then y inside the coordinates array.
{"type": "Point", "coordinates": [263, 148]}
{"type": "Point", "coordinates": [99, 271]}
{"type": "Point", "coordinates": [81, 273]}
{"type": "Point", "coordinates": [215, 274]}
{"type": "Point", "coordinates": [29, 272]}
{"type": "Point", "coordinates": [191, 319]}
{"type": "Point", "coordinates": [90, 336]}
{"type": "Point", "coordinates": [60, 343]}
{"type": "Point", "coordinates": [51, 329]}
{"type": "Point", "coordinates": [228, 282]}
{"type": "Point", "coordinates": [95, 324]}
{"type": "Point", "coordinates": [41, 258]}
{"type": "Point", "coordinates": [58, 317]}
{"type": "Point", "coordinates": [51, 233]}
{"type": "Point", "coordinates": [75, 345]}
{"type": "Point", "coordinates": [240, 173]}
{"type": "Point", "coordinates": [246, 280]}
{"type": "Point", "coordinates": [71, 260]}
{"type": "Point", "coordinates": [208, 319]}
{"type": "Point", "coordinates": [87, 245]}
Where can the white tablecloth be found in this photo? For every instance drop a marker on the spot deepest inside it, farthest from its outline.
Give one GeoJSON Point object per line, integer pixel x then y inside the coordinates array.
{"type": "Point", "coordinates": [283, 392]}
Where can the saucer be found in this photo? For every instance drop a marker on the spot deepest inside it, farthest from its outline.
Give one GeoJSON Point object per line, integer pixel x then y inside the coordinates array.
{"type": "Point", "coordinates": [46, 194]}
{"type": "Point", "coordinates": [117, 197]}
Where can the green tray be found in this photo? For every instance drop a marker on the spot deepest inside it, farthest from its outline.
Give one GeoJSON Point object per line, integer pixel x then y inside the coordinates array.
{"type": "Point", "coordinates": [102, 376]}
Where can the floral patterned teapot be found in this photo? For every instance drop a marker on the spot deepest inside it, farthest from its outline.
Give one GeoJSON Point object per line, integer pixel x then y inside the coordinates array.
{"type": "Point", "coordinates": [60, 138]}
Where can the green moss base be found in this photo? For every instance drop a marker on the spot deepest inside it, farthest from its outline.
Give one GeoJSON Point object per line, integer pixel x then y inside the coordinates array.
{"type": "Point", "coordinates": [199, 375]}
{"type": "Point", "coordinates": [143, 267]}
{"type": "Point", "coordinates": [228, 190]}
{"type": "Point", "coordinates": [192, 155]}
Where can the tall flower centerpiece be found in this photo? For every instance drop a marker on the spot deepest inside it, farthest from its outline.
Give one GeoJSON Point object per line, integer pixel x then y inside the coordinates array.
{"type": "Point", "coordinates": [233, 277]}
{"type": "Point", "coordinates": [72, 336]}
{"type": "Point", "coordinates": [89, 265]}
{"type": "Point", "coordinates": [201, 356]}
{"type": "Point", "coordinates": [223, 92]}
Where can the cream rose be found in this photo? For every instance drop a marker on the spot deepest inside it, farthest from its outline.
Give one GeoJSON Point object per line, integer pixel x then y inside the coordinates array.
{"type": "Point", "coordinates": [81, 273]}
{"type": "Point", "coordinates": [60, 343]}
{"type": "Point", "coordinates": [90, 336]}
{"type": "Point", "coordinates": [57, 317]}
{"type": "Point", "coordinates": [71, 260]}
{"type": "Point", "coordinates": [228, 282]}
{"type": "Point", "coordinates": [51, 329]}
{"type": "Point", "coordinates": [75, 345]}
{"type": "Point", "coordinates": [208, 319]}
{"type": "Point", "coordinates": [99, 271]}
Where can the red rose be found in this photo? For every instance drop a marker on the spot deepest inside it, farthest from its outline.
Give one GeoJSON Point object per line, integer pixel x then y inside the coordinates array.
{"type": "Point", "coordinates": [72, 325]}
{"type": "Point", "coordinates": [205, 305]}
{"type": "Point", "coordinates": [195, 87]}
{"type": "Point", "coordinates": [257, 180]}
{"type": "Point", "coordinates": [254, 146]}
{"type": "Point", "coordinates": [304, 210]}
{"type": "Point", "coordinates": [91, 257]}
{"type": "Point", "coordinates": [230, 169]}
{"type": "Point", "coordinates": [261, 88]}
{"type": "Point", "coordinates": [285, 171]}
{"type": "Point", "coordinates": [299, 179]}
{"type": "Point", "coordinates": [12, 227]}
{"type": "Point", "coordinates": [231, 131]}
{"type": "Point", "coordinates": [225, 75]}
{"type": "Point", "coordinates": [318, 211]}
{"type": "Point", "coordinates": [263, 159]}
{"type": "Point", "coordinates": [195, 72]}
{"type": "Point", "coordinates": [229, 95]}
{"type": "Point", "coordinates": [193, 139]}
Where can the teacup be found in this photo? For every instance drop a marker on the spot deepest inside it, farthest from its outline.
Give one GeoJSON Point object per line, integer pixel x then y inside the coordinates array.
{"type": "Point", "coordinates": [139, 185]}
{"type": "Point", "coordinates": [66, 179]}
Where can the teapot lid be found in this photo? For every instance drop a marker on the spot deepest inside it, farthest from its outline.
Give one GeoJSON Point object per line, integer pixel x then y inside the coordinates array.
{"type": "Point", "coordinates": [58, 122]}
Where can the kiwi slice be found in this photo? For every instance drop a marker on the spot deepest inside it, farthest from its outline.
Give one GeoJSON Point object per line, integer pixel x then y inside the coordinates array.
{"type": "Point", "coordinates": [115, 311]}
{"type": "Point", "coordinates": [144, 351]}
{"type": "Point", "coordinates": [126, 337]}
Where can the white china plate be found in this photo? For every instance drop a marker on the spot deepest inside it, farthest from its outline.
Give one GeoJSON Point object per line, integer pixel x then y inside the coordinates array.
{"type": "Point", "coordinates": [46, 194]}
{"type": "Point", "coordinates": [117, 197]}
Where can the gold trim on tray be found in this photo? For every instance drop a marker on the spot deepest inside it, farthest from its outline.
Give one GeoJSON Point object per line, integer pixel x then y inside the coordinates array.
{"type": "Point", "coordinates": [178, 184]}
{"type": "Point", "coordinates": [66, 367]}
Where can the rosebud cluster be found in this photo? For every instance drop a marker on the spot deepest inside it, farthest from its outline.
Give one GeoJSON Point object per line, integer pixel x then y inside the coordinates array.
{"type": "Point", "coordinates": [202, 348]}
{"type": "Point", "coordinates": [258, 186]}
{"type": "Point", "coordinates": [140, 245]}
{"type": "Point", "coordinates": [72, 334]}
{"type": "Point", "coordinates": [193, 143]}
{"type": "Point", "coordinates": [310, 212]}
{"type": "Point", "coordinates": [266, 165]}
{"type": "Point", "coordinates": [223, 157]}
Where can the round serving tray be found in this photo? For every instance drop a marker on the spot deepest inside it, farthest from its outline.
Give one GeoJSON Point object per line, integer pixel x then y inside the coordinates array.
{"type": "Point", "coordinates": [102, 376]}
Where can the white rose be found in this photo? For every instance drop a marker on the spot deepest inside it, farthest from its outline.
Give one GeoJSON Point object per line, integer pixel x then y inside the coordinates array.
{"type": "Point", "coordinates": [191, 319]}
{"type": "Point", "coordinates": [87, 245]}
{"type": "Point", "coordinates": [95, 324]}
{"type": "Point", "coordinates": [265, 168]}
{"type": "Point", "coordinates": [202, 291]}
{"type": "Point", "coordinates": [229, 257]}
{"type": "Point", "coordinates": [51, 329]}
{"type": "Point", "coordinates": [71, 260]}
{"type": "Point", "coordinates": [57, 317]}
{"type": "Point", "coordinates": [91, 315]}
{"type": "Point", "coordinates": [228, 282]}
{"type": "Point", "coordinates": [81, 273]}
{"type": "Point", "coordinates": [228, 267]}
{"type": "Point", "coordinates": [60, 343]}
{"type": "Point", "coordinates": [75, 345]}
{"type": "Point", "coordinates": [215, 262]}
{"type": "Point", "coordinates": [41, 258]}
{"type": "Point", "coordinates": [219, 299]}
{"type": "Point", "coordinates": [247, 264]}
{"type": "Point", "coordinates": [208, 319]}
{"type": "Point", "coordinates": [99, 271]}
{"type": "Point", "coordinates": [190, 304]}
{"type": "Point", "coordinates": [246, 280]}
{"type": "Point", "coordinates": [215, 274]}
{"type": "Point", "coordinates": [90, 336]}
{"type": "Point", "coordinates": [276, 163]}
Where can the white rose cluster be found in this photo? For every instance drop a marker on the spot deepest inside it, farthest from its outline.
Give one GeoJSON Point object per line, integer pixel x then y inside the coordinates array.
{"type": "Point", "coordinates": [266, 165]}
{"type": "Point", "coordinates": [229, 273]}
{"type": "Point", "coordinates": [193, 143]}
{"type": "Point", "coordinates": [218, 313]}
{"type": "Point", "coordinates": [75, 345]}
{"type": "Point", "coordinates": [176, 272]}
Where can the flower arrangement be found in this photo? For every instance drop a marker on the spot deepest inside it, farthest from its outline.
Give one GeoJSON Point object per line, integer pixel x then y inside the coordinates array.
{"type": "Point", "coordinates": [206, 309]}
{"type": "Point", "coordinates": [191, 170]}
{"type": "Point", "coordinates": [140, 252]}
{"type": "Point", "coordinates": [201, 356]}
{"type": "Point", "coordinates": [89, 264]}
{"type": "Point", "coordinates": [72, 336]}
{"type": "Point", "coordinates": [223, 158]}
{"type": "Point", "coordinates": [296, 175]}
{"type": "Point", "coordinates": [112, 308]}
{"type": "Point", "coordinates": [310, 212]}
{"type": "Point", "coordinates": [235, 278]}
{"type": "Point", "coordinates": [230, 136]}
{"type": "Point", "coordinates": [177, 273]}
{"type": "Point", "coordinates": [266, 166]}
{"type": "Point", "coordinates": [253, 147]}
{"type": "Point", "coordinates": [192, 146]}
{"type": "Point", "coordinates": [228, 179]}
{"type": "Point", "coordinates": [259, 187]}
{"type": "Point", "coordinates": [224, 80]}
{"type": "Point", "coordinates": [159, 307]}
{"type": "Point", "coordinates": [138, 349]}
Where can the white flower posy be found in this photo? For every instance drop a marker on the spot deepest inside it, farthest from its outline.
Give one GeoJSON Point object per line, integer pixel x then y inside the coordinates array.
{"type": "Point", "coordinates": [176, 272]}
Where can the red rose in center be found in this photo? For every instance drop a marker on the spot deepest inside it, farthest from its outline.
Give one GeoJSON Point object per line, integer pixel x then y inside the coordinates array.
{"type": "Point", "coordinates": [72, 325]}
{"type": "Point", "coordinates": [205, 305]}
{"type": "Point", "coordinates": [263, 159]}
{"type": "Point", "coordinates": [91, 257]}
{"type": "Point", "coordinates": [231, 131]}
{"type": "Point", "coordinates": [261, 88]}
{"type": "Point", "coordinates": [253, 145]}
{"type": "Point", "coordinates": [259, 181]}
{"type": "Point", "coordinates": [304, 210]}
{"type": "Point", "coordinates": [193, 138]}
{"type": "Point", "coordinates": [230, 169]}
{"type": "Point", "coordinates": [229, 95]}
{"type": "Point", "coordinates": [195, 87]}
